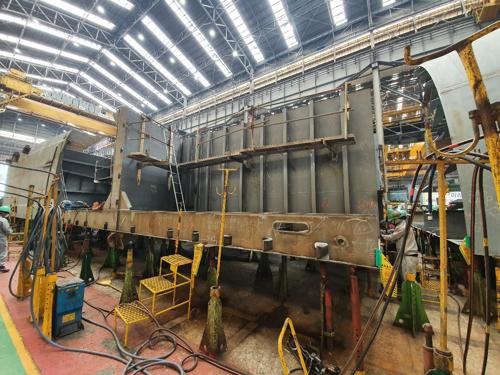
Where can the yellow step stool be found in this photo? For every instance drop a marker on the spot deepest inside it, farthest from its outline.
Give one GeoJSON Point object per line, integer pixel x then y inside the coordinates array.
{"type": "Point", "coordinates": [129, 313]}
{"type": "Point", "coordinates": [169, 283]}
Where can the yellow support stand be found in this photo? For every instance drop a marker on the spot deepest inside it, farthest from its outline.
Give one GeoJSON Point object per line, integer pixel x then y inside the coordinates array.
{"type": "Point", "coordinates": [284, 367]}
{"type": "Point", "coordinates": [24, 281]}
{"type": "Point", "coordinates": [49, 304]}
{"type": "Point", "coordinates": [497, 274]}
{"type": "Point", "coordinates": [39, 293]}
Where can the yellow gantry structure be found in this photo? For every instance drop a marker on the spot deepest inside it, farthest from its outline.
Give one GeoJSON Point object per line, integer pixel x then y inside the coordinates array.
{"type": "Point", "coordinates": [21, 96]}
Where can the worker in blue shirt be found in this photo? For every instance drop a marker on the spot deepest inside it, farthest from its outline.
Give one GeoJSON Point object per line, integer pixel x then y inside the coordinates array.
{"type": "Point", "coordinates": [5, 231]}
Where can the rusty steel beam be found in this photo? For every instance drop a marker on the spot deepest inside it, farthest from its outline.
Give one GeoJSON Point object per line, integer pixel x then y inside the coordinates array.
{"type": "Point", "coordinates": [240, 155]}
{"type": "Point", "coordinates": [351, 239]}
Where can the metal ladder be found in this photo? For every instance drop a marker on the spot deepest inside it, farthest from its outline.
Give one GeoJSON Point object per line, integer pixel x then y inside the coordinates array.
{"type": "Point", "coordinates": [174, 173]}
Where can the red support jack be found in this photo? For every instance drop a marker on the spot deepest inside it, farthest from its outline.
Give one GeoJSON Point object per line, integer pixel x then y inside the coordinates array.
{"type": "Point", "coordinates": [356, 314]}
{"type": "Point", "coordinates": [326, 310]}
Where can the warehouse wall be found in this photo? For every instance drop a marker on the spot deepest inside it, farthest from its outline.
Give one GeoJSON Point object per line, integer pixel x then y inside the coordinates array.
{"type": "Point", "coordinates": [296, 182]}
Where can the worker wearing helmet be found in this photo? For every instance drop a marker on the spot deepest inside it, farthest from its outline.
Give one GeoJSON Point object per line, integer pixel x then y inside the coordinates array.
{"type": "Point", "coordinates": [410, 253]}
{"type": "Point", "coordinates": [5, 230]}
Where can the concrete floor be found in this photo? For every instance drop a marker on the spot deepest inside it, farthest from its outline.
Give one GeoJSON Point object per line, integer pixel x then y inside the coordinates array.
{"type": "Point", "coordinates": [252, 321]}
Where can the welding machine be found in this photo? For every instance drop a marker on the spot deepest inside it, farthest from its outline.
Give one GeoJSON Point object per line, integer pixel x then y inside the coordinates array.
{"type": "Point", "coordinates": [67, 316]}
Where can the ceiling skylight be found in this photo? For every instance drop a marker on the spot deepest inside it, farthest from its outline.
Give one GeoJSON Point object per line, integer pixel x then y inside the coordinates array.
{"type": "Point", "coordinates": [48, 30]}
{"type": "Point", "coordinates": [242, 28]}
{"type": "Point", "coordinates": [41, 47]}
{"type": "Point", "coordinates": [338, 12]}
{"type": "Point", "coordinates": [283, 22]}
{"type": "Point", "coordinates": [124, 4]}
{"type": "Point", "coordinates": [165, 40]}
{"type": "Point", "coordinates": [79, 12]}
{"type": "Point", "coordinates": [32, 60]}
{"type": "Point", "coordinates": [125, 87]}
{"type": "Point", "coordinates": [108, 91]}
{"type": "Point", "coordinates": [156, 64]}
{"type": "Point", "coordinates": [197, 34]}
{"type": "Point", "coordinates": [134, 75]}
{"type": "Point", "coordinates": [92, 97]}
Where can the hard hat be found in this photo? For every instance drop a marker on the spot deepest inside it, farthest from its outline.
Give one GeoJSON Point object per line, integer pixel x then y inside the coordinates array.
{"type": "Point", "coordinates": [394, 214]}
{"type": "Point", "coordinates": [5, 209]}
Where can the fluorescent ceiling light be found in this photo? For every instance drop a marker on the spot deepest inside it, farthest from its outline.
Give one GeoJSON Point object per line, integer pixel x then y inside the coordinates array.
{"type": "Point", "coordinates": [80, 13]}
{"type": "Point", "coordinates": [197, 34]}
{"type": "Point", "coordinates": [48, 30]}
{"type": "Point", "coordinates": [387, 2]}
{"type": "Point", "coordinates": [125, 87]}
{"type": "Point", "coordinates": [156, 64]}
{"type": "Point", "coordinates": [92, 97]}
{"type": "Point", "coordinates": [21, 137]}
{"type": "Point", "coordinates": [134, 75]}
{"type": "Point", "coordinates": [48, 79]}
{"type": "Point", "coordinates": [124, 4]}
{"type": "Point", "coordinates": [42, 47]}
{"type": "Point", "coordinates": [283, 22]}
{"type": "Point", "coordinates": [32, 60]}
{"type": "Point", "coordinates": [165, 40]}
{"type": "Point", "coordinates": [108, 91]}
{"type": "Point", "coordinates": [54, 89]}
{"type": "Point", "coordinates": [242, 28]}
{"type": "Point", "coordinates": [338, 12]}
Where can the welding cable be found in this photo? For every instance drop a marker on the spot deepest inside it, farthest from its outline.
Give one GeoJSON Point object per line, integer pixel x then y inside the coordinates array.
{"type": "Point", "coordinates": [143, 365]}
{"type": "Point", "coordinates": [384, 292]}
{"type": "Point", "coordinates": [32, 234]}
{"type": "Point", "coordinates": [487, 275]}
{"type": "Point", "coordinates": [429, 188]}
{"type": "Point", "coordinates": [183, 344]}
{"type": "Point", "coordinates": [459, 325]}
{"type": "Point", "coordinates": [398, 258]}
{"type": "Point", "coordinates": [472, 229]}
{"type": "Point", "coordinates": [391, 281]}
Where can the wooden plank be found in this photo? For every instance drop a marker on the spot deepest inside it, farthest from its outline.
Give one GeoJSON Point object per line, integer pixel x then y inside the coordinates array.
{"type": "Point", "coordinates": [352, 239]}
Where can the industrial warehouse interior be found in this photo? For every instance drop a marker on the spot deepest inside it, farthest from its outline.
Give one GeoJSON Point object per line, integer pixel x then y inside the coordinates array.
{"type": "Point", "coordinates": [249, 187]}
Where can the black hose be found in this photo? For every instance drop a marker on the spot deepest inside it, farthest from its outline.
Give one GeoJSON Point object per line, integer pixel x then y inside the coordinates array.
{"type": "Point", "coordinates": [472, 229]}
{"type": "Point", "coordinates": [486, 272]}
{"type": "Point", "coordinates": [396, 270]}
{"type": "Point", "coordinates": [429, 188]}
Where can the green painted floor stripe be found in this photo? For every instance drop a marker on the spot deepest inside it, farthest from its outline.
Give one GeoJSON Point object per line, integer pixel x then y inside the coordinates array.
{"type": "Point", "coordinates": [8, 354]}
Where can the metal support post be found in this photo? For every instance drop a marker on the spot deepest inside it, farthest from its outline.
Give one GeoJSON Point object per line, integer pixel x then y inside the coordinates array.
{"type": "Point", "coordinates": [345, 153]}
{"type": "Point", "coordinates": [312, 155]}
{"type": "Point", "coordinates": [226, 172]}
{"type": "Point", "coordinates": [53, 248]}
{"type": "Point", "coordinates": [355, 313]}
{"type": "Point", "coordinates": [379, 126]}
{"type": "Point", "coordinates": [285, 163]}
{"type": "Point", "coordinates": [443, 357]}
{"type": "Point", "coordinates": [326, 310]}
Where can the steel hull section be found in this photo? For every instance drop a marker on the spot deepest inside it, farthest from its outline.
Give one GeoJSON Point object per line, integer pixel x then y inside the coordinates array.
{"type": "Point", "coordinates": [351, 238]}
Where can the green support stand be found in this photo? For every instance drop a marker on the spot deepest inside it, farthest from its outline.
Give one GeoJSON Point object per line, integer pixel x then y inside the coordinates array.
{"type": "Point", "coordinates": [214, 341]}
{"type": "Point", "coordinates": [86, 271]}
{"type": "Point", "coordinates": [129, 292]}
{"type": "Point", "coordinates": [149, 267]}
{"type": "Point", "coordinates": [282, 290]}
{"type": "Point", "coordinates": [111, 260]}
{"type": "Point", "coordinates": [411, 314]}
